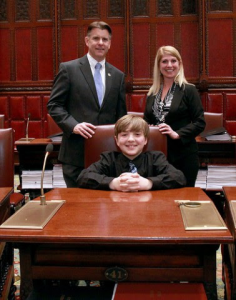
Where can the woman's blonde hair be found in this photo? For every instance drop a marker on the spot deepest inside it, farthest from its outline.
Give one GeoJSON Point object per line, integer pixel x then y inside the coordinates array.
{"type": "Point", "coordinates": [133, 123]}
{"type": "Point", "coordinates": [158, 77]}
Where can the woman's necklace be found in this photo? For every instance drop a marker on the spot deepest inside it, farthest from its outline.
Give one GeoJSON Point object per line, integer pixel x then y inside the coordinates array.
{"type": "Point", "coordinates": [161, 108]}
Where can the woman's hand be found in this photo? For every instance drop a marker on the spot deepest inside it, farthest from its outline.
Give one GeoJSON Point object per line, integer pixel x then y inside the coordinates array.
{"type": "Point", "coordinates": [166, 129]}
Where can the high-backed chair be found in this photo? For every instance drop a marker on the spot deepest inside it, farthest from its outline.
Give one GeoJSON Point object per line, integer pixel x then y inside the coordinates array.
{"type": "Point", "coordinates": [103, 140]}
{"type": "Point", "coordinates": [53, 128]}
{"type": "Point", "coordinates": [136, 113]}
{"type": "Point", "coordinates": [2, 118]}
{"type": "Point", "coordinates": [213, 121]}
{"type": "Point", "coordinates": [7, 165]}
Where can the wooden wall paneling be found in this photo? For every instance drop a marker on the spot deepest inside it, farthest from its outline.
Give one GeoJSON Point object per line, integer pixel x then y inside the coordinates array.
{"type": "Point", "coordinates": [215, 102]}
{"type": "Point", "coordinates": [116, 55]}
{"type": "Point", "coordinates": [23, 42]}
{"type": "Point", "coordinates": [202, 84]}
{"type": "Point", "coordinates": [220, 54]}
{"type": "Point", "coordinates": [17, 116]}
{"type": "Point", "coordinates": [220, 43]}
{"type": "Point", "coordinates": [4, 54]}
{"type": "Point", "coordinates": [230, 112]}
{"type": "Point", "coordinates": [69, 42]}
{"type": "Point", "coordinates": [141, 50]}
{"type": "Point", "coordinates": [45, 53]}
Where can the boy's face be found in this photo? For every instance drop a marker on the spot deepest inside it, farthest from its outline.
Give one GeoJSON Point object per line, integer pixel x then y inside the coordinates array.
{"type": "Point", "coordinates": [131, 143]}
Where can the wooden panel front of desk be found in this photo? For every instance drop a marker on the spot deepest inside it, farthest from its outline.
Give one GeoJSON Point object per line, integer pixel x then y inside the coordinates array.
{"type": "Point", "coordinates": [229, 251]}
{"type": "Point", "coordinates": [216, 152]}
{"type": "Point", "coordinates": [32, 153]}
{"type": "Point", "coordinates": [6, 252]}
{"type": "Point", "coordinates": [141, 232]}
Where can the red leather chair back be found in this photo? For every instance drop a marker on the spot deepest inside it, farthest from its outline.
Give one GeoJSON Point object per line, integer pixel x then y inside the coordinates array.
{"type": "Point", "coordinates": [136, 113]}
{"type": "Point", "coordinates": [6, 157]}
{"type": "Point", "coordinates": [53, 128]}
{"type": "Point", "coordinates": [104, 140]}
{"type": "Point", "coordinates": [213, 121]}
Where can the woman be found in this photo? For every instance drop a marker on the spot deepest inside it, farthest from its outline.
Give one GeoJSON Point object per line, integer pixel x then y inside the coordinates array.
{"type": "Point", "coordinates": [175, 107]}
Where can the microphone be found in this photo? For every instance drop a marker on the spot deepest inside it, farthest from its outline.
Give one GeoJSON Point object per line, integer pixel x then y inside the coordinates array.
{"type": "Point", "coordinates": [27, 127]}
{"type": "Point", "coordinates": [27, 139]}
{"type": "Point", "coordinates": [49, 149]}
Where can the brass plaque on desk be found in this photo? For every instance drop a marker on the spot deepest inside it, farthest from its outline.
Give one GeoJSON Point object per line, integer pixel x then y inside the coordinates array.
{"type": "Point", "coordinates": [200, 215]}
{"type": "Point", "coordinates": [232, 204]}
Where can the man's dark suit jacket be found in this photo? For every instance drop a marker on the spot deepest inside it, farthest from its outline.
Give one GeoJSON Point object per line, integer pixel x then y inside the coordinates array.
{"type": "Point", "coordinates": [74, 100]}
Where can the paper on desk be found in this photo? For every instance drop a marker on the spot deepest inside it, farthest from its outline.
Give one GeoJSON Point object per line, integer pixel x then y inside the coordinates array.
{"type": "Point", "coordinates": [203, 217]}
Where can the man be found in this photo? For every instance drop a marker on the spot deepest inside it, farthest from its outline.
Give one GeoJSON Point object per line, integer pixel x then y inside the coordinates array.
{"type": "Point", "coordinates": [79, 101]}
{"type": "Point", "coordinates": [131, 169]}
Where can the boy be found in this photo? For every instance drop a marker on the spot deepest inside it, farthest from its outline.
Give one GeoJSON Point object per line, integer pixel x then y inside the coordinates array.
{"type": "Point", "coordinates": [131, 169]}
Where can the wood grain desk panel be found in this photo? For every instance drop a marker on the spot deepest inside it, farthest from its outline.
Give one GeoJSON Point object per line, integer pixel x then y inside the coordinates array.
{"type": "Point", "coordinates": [6, 253]}
{"type": "Point", "coordinates": [229, 251]}
{"type": "Point", "coordinates": [216, 152]}
{"type": "Point", "coordinates": [5, 193]}
{"type": "Point", "coordinates": [140, 232]}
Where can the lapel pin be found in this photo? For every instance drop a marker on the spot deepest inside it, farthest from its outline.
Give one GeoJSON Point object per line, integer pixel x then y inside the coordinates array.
{"type": "Point", "coordinates": [109, 74]}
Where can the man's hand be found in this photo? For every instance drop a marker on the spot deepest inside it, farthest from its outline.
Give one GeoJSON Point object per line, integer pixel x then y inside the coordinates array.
{"type": "Point", "coordinates": [86, 130]}
{"type": "Point", "coordinates": [130, 182]}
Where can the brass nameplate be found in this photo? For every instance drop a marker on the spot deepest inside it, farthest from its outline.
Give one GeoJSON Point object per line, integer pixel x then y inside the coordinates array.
{"type": "Point", "coordinates": [200, 215]}
{"type": "Point", "coordinates": [33, 215]}
{"type": "Point", "coordinates": [116, 274]}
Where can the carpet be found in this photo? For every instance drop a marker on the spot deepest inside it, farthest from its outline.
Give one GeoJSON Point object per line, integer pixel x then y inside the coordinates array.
{"type": "Point", "coordinates": [219, 282]}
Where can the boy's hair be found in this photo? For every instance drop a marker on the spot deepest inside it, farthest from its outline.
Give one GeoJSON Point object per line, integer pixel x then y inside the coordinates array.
{"type": "Point", "coordinates": [133, 123]}
{"type": "Point", "coordinates": [101, 25]}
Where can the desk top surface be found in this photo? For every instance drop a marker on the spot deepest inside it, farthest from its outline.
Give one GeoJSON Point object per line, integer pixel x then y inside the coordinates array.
{"type": "Point", "coordinates": [35, 142]}
{"type": "Point", "coordinates": [230, 192]}
{"type": "Point", "coordinates": [91, 216]}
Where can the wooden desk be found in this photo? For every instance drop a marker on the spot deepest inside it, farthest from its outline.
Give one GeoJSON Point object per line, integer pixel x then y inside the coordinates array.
{"type": "Point", "coordinates": [229, 251]}
{"type": "Point", "coordinates": [216, 152]}
{"type": "Point", "coordinates": [143, 233]}
{"type": "Point", "coordinates": [31, 154]}
{"type": "Point", "coordinates": [31, 157]}
{"type": "Point", "coordinates": [6, 252]}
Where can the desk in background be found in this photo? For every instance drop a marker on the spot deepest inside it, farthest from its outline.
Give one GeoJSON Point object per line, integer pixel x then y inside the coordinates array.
{"type": "Point", "coordinates": [142, 233]}
{"type": "Point", "coordinates": [31, 157]}
{"type": "Point", "coordinates": [216, 152]}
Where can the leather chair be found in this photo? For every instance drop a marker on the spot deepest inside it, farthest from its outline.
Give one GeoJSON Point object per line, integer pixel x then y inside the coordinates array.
{"type": "Point", "coordinates": [53, 128]}
{"type": "Point", "coordinates": [103, 140]}
{"type": "Point", "coordinates": [213, 121]}
{"type": "Point", "coordinates": [2, 118]}
{"type": "Point", "coordinates": [7, 166]}
{"type": "Point", "coordinates": [136, 113]}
